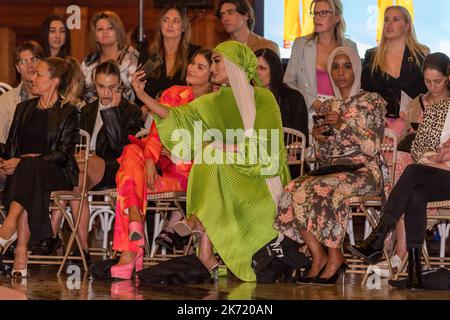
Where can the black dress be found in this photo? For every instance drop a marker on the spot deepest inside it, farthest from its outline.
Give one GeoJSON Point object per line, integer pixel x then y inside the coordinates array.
{"type": "Point", "coordinates": [155, 86]}
{"type": "Point", "coordinates": [35, 178]}
{"type": "Point", "coordinates": [410, 81]}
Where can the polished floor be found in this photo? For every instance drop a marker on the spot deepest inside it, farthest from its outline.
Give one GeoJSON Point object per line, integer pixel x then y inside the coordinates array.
{"type": "Point", "coordinates": [43, 284]}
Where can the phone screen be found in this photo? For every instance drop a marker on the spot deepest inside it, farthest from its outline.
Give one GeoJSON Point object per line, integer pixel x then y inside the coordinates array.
{"type": "Point", "coordinates": [152, 63]}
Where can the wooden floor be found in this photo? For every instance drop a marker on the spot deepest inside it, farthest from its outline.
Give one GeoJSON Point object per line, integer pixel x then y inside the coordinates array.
{"type": "Point", "coordinates": [42, 283]}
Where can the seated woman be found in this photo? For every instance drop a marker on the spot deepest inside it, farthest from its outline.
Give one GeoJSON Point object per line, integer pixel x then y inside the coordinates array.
{"type": "Point", "coordinates": [38, 157]}
{"type": "Point", "coordinates": [218, 202]}
{"type": "Point", "coordinates": [314, 208]}
{"type": "Point", "coordinates": [138, 174]}
{"type": "Point", "coordinates": [436, 80]}
{"type": "Point", "coordinates": [109, 120]}
{"type": "Point", "coordinates": [426, 181]}
{"type": "Point", "coordinates": [293, 109]}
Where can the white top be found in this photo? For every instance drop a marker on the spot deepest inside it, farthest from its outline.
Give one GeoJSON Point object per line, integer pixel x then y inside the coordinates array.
{"type": "Point", "coordinates": [98, 125]}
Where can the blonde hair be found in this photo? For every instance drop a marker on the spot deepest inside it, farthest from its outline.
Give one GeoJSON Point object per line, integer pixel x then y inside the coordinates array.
{"type": "Point", "coordinates": [415, 48]}
{"type": "Point", "coordinates": [117, 25]}
{"type": "Point", "coordinates": [339, 29]}
{"type": "Point", "coordinates": [70, 75]}
{"type": "Point", "coordinates": [182, 54]}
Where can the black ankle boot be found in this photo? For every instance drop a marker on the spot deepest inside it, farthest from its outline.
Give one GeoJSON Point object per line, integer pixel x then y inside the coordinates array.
{"type": "Point", "coordinates": [414, 269]}
{"type": "Point", "coordinates": [371, 249]}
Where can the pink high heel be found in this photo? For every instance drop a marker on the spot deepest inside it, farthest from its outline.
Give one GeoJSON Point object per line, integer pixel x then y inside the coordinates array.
{"type": "Point", "coordinates": [125, 271]}
{"type": "Point", "coordinates": [136, 232]}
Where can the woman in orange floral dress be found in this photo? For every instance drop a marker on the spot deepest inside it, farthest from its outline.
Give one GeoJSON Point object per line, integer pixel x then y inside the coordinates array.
{"type": "Point", "coordinates": [138, 174]}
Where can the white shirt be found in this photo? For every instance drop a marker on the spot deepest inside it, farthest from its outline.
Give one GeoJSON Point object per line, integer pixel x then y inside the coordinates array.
{"type": "Point", "coordinates": [98, 125]}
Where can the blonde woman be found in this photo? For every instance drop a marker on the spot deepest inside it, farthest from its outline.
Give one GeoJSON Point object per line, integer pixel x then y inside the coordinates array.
{"type": "Point", "coordinates": [108, 42]}
{"type": "Point", "coordinates": [307, 68]}
{"type": "Point", "coordinates": [383, 5]}
{"type": "Point", "coordinates": [396, 64]}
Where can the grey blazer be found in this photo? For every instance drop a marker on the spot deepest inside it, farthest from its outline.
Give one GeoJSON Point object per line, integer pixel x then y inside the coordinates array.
{"type": "Point", "coordinates": [301, 69]}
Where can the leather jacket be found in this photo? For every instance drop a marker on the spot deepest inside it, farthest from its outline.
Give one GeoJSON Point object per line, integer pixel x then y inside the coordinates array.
{"type": "Point", "coordinates": [62, 135]}
{"type": "Point", "coordinates": [118, 123]}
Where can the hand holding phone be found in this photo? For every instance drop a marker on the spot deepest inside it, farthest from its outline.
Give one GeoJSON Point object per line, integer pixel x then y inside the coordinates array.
{"type": "Point", "coordinates": [151, 65]}
{"type": "Point", "coordinates": [318, 120]}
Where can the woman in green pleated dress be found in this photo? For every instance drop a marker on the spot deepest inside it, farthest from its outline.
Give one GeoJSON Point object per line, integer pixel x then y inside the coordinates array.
{"type": "Point", "coordinates": [235, 137]}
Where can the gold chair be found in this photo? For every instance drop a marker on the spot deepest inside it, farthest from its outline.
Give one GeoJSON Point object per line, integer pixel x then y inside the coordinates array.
{"type": "Point", "coordinates": [295, 143]}
{"type": "Point", "coordinates": [369, 206]}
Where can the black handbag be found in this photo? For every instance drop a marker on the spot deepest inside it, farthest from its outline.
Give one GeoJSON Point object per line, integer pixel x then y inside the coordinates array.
{"type": "Point", "coordinates": [335, 168]}
{"type": "Point", "coordinates": [178, 270]}
{"type": "Point", "coordinates": [277, 261]}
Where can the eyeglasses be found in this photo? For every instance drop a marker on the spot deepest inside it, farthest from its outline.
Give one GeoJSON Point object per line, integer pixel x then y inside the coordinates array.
{"type": "Point", "coordinates": [24, 61]}
{"type": "Point", "coordinates": [321, 13]}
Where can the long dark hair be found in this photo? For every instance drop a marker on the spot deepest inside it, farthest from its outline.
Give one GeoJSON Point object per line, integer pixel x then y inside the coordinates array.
{"type": "Point", "coordinates": [276, 70]}
{"type": "Point", "coordinates": [43, 37]}
{"type": "Point", "coordinates": [182, 55]}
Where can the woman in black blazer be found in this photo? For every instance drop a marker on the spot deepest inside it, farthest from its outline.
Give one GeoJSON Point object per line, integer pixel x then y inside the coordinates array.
{"type": "Point", "coordinates": [38, 157]}
{"type": "Point", "coordinates": [396, 64]}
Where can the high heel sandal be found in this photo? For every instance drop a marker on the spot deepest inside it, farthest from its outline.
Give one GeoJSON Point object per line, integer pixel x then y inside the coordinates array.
{"type": "Point", "coordinates": [22, 273]}
{"type": "Point", "coordinates": [5, 243]}
{"type": "Point", "coordinates": [182, 228]}
{"type": "Point", "coordinates": [333, 279]}
{"type": "Point", "coordinates": [125, 271]}
{"type": "Point", "coordinates": [136, 232]}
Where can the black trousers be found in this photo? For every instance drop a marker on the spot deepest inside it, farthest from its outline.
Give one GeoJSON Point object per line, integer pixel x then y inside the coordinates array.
{"type": "Point", "coordinates": [417, 186]}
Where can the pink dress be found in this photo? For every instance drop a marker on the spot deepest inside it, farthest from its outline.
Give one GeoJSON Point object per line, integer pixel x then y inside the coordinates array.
{"type": "Point", "coordinates": [324, 86]}
{"type": "Point", "coordinates": [131, 178]}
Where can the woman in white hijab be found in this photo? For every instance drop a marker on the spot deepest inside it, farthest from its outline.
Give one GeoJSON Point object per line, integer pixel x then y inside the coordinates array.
{"type": "Point", "coordinates": [313, 209]}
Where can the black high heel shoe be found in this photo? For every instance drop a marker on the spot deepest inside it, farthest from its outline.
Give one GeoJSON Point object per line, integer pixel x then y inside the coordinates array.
{"type": "Point", "coordinates": [306, 280]}
{"type": "Point", "coordinates": [333, 279]}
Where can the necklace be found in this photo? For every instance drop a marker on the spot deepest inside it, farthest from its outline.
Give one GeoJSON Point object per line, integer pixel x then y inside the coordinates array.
{"type": "Point", "coordinates": [40, 106]}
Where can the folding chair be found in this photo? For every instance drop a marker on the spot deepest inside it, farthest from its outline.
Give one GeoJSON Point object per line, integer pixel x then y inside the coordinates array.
{"type": "Point", "coordinates": [295, 143]}
{"type": "Point", "coordinates": [82, 151]}
{"type": "Point", "coordinates": [369, 206]}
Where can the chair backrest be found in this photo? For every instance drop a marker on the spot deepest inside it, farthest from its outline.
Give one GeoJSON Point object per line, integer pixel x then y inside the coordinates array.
{"type": "Point", "coordinates": [4, 87]}
{"type": "Point", "coordinates": [143, 133]}
{"type": "Point", "coordinates": [82, 155]}
{"type": "Point", "coordinates": [389, 153]}
{"type": "Point", "coordinates": [295, 143]}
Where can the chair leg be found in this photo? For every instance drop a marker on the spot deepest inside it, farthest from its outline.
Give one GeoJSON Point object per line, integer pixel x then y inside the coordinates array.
{"type": "Point", "coordinates": [350, 231]}
{"type": "Point", "coordinates": [442, 227]}
{"type": "Point", "coordinates": [73, 236]}
{"type": "Point", "coordinates": [156, 230]}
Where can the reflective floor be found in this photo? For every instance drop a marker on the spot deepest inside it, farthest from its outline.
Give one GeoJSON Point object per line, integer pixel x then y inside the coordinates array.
{"type": "Point", "coordinates": [44, 284]}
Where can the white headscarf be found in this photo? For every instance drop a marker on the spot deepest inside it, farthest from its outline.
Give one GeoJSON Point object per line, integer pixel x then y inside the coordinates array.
{"type": "Point", "coordinates": [356, 65]}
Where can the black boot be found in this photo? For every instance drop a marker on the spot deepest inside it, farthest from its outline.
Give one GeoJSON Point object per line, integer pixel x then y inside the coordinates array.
{"type": "Point", "coordinates": [371, 249]}
{"type": "Point", "coordinates": [414, 269]}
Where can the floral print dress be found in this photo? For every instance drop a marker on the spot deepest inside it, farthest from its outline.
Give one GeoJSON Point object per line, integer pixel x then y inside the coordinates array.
{"type": "Point", "coordinates": [318, 204]}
